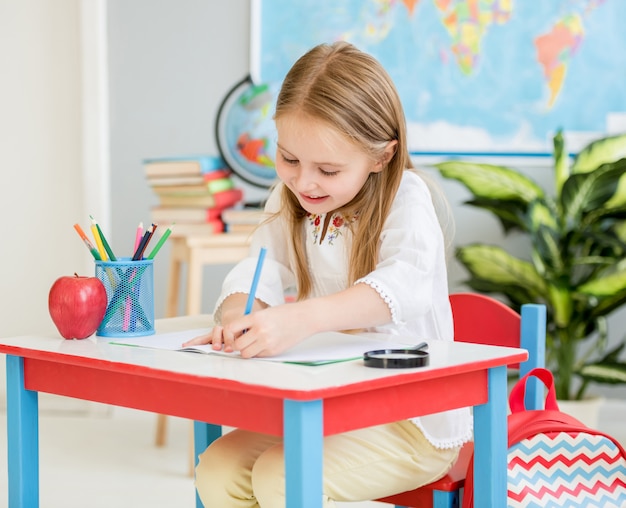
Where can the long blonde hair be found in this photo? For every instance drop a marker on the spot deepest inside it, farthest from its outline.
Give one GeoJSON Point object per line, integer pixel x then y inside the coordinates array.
{"type": "Point", "coordinates": [349, 91]}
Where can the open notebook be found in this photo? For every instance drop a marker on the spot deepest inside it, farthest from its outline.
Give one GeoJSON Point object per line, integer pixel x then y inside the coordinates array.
{"type": "Point", "coordinates": [319, 349]}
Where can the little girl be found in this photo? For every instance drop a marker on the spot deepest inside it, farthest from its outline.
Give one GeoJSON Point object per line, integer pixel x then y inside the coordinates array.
{"type": "Point", "coordinates": [353, 227]}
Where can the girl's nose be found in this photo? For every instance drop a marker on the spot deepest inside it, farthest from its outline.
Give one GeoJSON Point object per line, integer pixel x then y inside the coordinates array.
{"type": "Point", "coordinates": [304, 181]}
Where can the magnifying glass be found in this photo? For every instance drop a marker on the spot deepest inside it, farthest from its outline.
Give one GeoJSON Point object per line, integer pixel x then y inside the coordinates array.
{"type": "Point", "coordinates": [397, 358]}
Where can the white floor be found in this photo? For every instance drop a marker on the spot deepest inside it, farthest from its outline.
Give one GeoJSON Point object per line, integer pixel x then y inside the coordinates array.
{"type": "Point", "coordinates": [101, 456]}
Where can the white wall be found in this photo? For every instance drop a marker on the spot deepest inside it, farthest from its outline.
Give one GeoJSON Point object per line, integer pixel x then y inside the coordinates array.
{"type": "Point", "coordinates": [40, 143]}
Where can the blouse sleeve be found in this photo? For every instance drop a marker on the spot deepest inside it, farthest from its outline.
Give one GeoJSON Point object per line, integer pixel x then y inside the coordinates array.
{"type": "Point", "coordinates": [411, 272]}
{"type": "Point", "coordinates": [276, 274]}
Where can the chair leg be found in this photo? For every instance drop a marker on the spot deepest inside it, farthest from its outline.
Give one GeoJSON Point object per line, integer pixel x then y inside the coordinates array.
{"type": "Point", "coordinates": [192, 451]}
{"type": "Point", "coordinates": [446, 499]}
{"type": "Point", "coordinates": [161, 430]}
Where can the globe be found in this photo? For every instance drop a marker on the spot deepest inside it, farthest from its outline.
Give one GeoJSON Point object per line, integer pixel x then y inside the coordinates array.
{"type": "Point", "coordinates": [245, 131]}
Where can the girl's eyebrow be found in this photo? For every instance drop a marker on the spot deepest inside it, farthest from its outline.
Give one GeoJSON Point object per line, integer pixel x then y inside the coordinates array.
{"type": "Point", "coordinates": [283, 148]}
{"type": "Point", "coordinates": [335, 164]}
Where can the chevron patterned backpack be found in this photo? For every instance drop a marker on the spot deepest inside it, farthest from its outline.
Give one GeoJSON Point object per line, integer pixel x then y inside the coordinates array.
{"type": "Point", "coordinates": [554, 460]}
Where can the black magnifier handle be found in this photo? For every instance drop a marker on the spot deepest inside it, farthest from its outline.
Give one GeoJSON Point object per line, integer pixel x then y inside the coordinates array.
{"type": "Point", "coordinates": [405, 358]}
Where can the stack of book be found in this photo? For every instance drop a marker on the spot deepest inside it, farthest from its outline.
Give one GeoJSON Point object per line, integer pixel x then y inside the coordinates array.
{"type": "Point", "coordinates": [242, 220]}
{"type": "Point", "coordinates": [192, 191]}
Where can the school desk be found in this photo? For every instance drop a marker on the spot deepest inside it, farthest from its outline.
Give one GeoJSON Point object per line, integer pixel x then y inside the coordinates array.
{"type": "Point", "coordinates": [300, 403]}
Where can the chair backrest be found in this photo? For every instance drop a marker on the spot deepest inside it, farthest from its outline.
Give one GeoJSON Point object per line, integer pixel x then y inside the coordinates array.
{"type": "Point", "coordinates": [484, 320]}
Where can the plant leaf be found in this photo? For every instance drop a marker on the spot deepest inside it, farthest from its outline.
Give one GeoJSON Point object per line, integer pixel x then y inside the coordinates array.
{"type": "Point", "coordinates": [613, 355]}
{"type": "Point", "coordinates": [593, 261]}
{"type": "Point", "coordinates": [619, 198]}
{"type": "Point", "coordinates": [541, 214]}
{"type": "Point", "coordinates": [548, 247]}
{"type": "Point", "coordinates": [491, 182]}
{"type": "Point", "coordinates": [599, 214]}
{"type": "Point", "coordinates": [561, 161]}
{"type": "Point", "coordinates": [587, 191]}
{"type": "Point", "coordinates": [562, 305]}
{"type": "Point", "coordinates": [609, 372]}
{"type": "Point", "coordinates": [510, 213]}
{"type": "Point", "coordinates": [608, 285]}
{"type": "Point", "coordinates": [598, 152]}
{"type": "Point", "coordinates": [620, 230]}
{"type": "Point", "coordinates": [609, 290]}
{"type": "Point", "coordinates": [494, 265]}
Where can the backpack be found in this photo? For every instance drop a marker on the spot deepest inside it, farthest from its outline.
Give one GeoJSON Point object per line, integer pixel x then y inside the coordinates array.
{"type": "Point", "coordinates": [554, 460]}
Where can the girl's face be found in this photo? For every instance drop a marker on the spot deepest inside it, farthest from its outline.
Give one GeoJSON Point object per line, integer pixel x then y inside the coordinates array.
{"type": "Point", "coordinates": [321, 167]}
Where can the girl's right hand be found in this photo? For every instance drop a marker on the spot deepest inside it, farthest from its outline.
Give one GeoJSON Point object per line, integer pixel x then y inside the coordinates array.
{"type": "Point", "coordinates": [232, 308]}
{"type": "Point", "coordinates": [215, 337]}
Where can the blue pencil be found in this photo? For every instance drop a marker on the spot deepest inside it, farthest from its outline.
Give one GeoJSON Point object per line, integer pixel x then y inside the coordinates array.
{"type": "Point", "coordinates": [255, 281]}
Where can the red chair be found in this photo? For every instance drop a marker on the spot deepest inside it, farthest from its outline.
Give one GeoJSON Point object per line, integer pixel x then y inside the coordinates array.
{"type": "Point", "coordinates": [484, 320]}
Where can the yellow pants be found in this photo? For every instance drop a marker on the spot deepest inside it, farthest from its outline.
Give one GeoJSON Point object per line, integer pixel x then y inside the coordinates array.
{"type": "Point", "coordinates": [246, 470]}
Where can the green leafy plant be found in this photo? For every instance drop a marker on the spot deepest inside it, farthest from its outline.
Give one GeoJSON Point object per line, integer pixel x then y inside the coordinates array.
{"type": "Point", "coordinates": [577, 260]}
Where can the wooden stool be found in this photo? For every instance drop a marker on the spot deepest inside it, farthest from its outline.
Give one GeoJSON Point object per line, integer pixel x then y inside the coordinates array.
{"type": "Point", "coordinates": [196, 252]}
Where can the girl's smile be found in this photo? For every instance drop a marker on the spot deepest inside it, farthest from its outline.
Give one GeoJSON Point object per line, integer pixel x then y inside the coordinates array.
{"type": "Point", "coordinates": [313, 199]}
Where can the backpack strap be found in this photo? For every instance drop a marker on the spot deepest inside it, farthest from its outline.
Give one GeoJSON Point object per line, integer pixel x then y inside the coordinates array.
{"type": "Point", "coordinates": [518, 393]}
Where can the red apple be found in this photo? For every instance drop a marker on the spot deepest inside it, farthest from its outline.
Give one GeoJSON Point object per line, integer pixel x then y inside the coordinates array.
{"type": "Point", "coordinates": [77, 305]}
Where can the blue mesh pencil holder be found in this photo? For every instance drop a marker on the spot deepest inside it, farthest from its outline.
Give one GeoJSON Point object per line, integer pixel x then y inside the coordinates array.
{"type": "Point", "coordinates": [130, 297]}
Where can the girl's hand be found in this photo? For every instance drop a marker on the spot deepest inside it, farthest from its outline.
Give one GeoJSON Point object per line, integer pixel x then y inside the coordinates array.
{"type": "Point", "coordinates": [272, 330]}
{"type": "Point", "coordinates": [231, 309]}
{"type": "Point", "coordinates": [214, 337]}
{"type": "Point", "coordinates": [266, 332]}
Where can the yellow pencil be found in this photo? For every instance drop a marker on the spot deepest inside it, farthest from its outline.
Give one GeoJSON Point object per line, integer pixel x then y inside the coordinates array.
{"type": "Point", "coordinates": [99, 244]}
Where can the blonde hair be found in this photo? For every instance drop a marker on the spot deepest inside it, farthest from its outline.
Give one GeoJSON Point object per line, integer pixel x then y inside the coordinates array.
{"type": "Point", "coordinates": [349, 91]}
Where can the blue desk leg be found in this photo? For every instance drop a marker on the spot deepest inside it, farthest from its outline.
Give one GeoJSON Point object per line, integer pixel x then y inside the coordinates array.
{"type": "Point", "coordinates": [203, 435]}
{"type": "Point", "coordinates": [490, 444]}
{"type": "Point", "coordinates": [22, 438]}
{"type": "Point", "coordinates": [303, 429]}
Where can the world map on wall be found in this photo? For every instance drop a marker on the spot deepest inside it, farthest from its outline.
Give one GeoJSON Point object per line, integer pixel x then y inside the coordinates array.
{"type": "Point", "coordinates": [474, 76]}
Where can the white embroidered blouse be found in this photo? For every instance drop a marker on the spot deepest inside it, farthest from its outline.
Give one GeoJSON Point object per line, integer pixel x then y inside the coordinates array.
{"type": "Point", "coordinates": [410, 277]}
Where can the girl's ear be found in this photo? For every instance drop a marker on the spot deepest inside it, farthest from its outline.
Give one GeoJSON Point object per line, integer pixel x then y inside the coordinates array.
{"type": "Point", "coordinates": [388, 153]}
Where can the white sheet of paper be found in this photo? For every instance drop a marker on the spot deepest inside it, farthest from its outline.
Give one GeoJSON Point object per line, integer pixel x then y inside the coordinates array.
{"type": "Point", "coordinates": [317, 349]}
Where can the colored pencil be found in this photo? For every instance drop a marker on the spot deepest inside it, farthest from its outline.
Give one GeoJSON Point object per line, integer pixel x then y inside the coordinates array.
{"type": "Point", "coordinates": [144, 243]}
{"type": "Point", "coordinates": [99, 244]}
{"type": "Point", "coordinates": [138, 236]}
{"type": "Point", "coordinates": [161, 241]}
{"type": "Point", "coordinates": [255, 281]}
{"type": "Point", "coordinates": [140, 248]}
{"type": "Point", "coordinates": [105, 244]}
{"type": "Point", "coordinates": [90, 246]}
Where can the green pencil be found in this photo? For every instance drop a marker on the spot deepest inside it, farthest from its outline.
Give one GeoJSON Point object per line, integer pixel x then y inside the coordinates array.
{"type": "Point", "coordinates": [104, 240]}
{"type": "Point", "coordinates": [160, 243]}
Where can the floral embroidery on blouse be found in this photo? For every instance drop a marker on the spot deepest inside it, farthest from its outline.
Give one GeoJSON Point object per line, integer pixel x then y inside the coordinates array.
{"type": "Point", "coordinates": [334, 229]}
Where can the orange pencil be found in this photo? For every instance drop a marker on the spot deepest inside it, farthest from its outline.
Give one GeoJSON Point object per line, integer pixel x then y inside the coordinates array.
{"type": "Point", "coordinates": [90, 246]}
